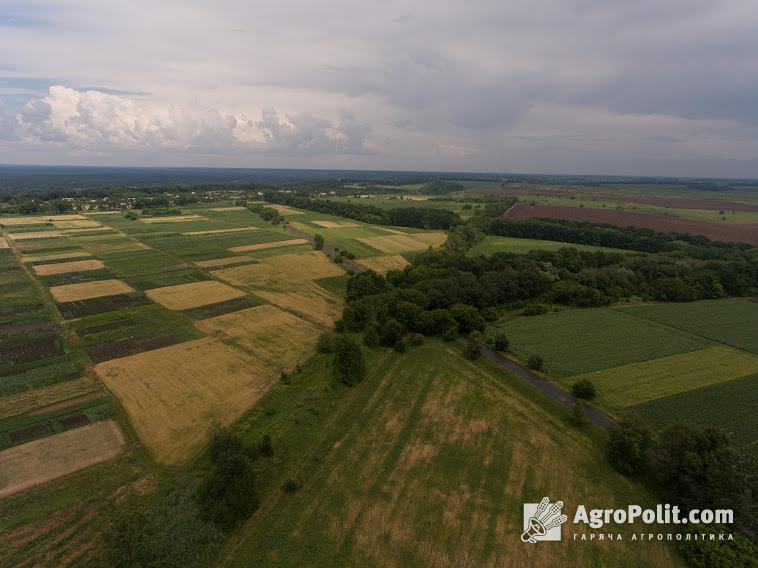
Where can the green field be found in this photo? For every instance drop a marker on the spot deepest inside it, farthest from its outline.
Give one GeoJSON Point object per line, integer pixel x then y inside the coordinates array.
{"type": "Point", "coordinates": [491, 245]}
{"type": "Point", "coordinates": [427, 463]}
{"type": "Point", "coordinates": [730, 405]}
{"type": "Point", "coordinates": [573, 342]}
{"type": "Point", "coordinates": [732, 321]}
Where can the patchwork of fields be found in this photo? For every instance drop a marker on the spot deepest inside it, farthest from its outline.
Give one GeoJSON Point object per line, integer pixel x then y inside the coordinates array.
{"type": "Point", "coordinates": [686, 362]}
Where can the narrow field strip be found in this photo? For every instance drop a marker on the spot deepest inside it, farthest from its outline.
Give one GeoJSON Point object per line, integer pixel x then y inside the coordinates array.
{"type": "Point", "coordinates": [66, 267]}
{"type": "Point", "coordinates": [264, 246]}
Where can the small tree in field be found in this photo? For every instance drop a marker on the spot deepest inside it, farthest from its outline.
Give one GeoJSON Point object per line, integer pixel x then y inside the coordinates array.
{"type": "Point", "coordinates": [584, 389]}
{"type": "Point", "coordinates": [500, 342]}
{"type": "Point", "coordinates": [326, 342]}
{"type": "Point", "coordinates": [318, 241]}
{"type": "Point", "coordinates": [535, 362]}
{"type": "Point", "coordinates": [578, 418]}
{"type": "Point", "coordinates": [348, 366]}
{"type": "Point", "coordinates": [473, 345]}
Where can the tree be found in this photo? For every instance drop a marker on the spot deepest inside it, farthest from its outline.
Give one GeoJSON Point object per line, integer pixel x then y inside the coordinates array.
{"type": "Point", "coordinates": [371, 338]}
{"type": "Point", "coordinates": [500, 341]}
{"type": "Point", "coordinates": [705, 553]}
{"type": "Point", "coordinates": [630, 447]}
{"type": "Point", "coordinates": [326, 342]}
{"type": "Point", "coordinates": [535, 362]}
{"type": "Point", "coordinates": [318, 241]}
{"type": "Point", "coordinates": [392, 331]}
{"type": "Point", "coordinates": [266, 448]}
{"type": "Point", "coordinates": [450, 333]}
{"type": "Point", "coordinates": [474, 343]}
{"type": "Point", "coordinates": [131, 215]}
{"type": "Point", "coordinates": [348, 365]}
{"type": "Point", "coordinates": [585, 389]}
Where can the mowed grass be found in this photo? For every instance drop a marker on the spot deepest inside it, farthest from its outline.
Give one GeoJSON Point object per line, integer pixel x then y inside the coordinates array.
{"type": "Point", "coordinates": [729, 405]}
{"type": "Point", "coordinates": [492, 244]}
{"type": "Point", "coordinates": [636, 383]}
{"type": "Point", "coordinates": [428, 463]}
{"type": "Point", "coordinates": [732, 321]}
{"type": "Point", "coordinates": [573, 342]}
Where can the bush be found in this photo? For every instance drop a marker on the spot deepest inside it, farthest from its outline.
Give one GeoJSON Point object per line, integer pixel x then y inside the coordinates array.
{"type": "Point", "coordinates": [585, 389]}
{"type": "Point", "coordinates": [318, 241]}
{"type": "Point", "coordinates": [473, 345]}
{"type": "Point", "coordinates": [338, 259]}
{"type": "Point", "coordinates": [326, 341]}
{"type": "Point", "coordinates": [131, 215]}
{"type": "Point", "coordinates": [578, 418]}
{"type": "Point", "coordinates": [392, 331]}
{"type": "Point", "coordinates": [371, 338]}
{"type": "Point", "coordinates": [266, 448]}
{"type": "Point", "coordinates": [348, 366]}
{"type": "Point", "coordinates": [416, 339]}
{"type": "Point", "coordinates": [450, 333]}
{"type": "Point", "coordinates": [630, 447]}
{"type": "Point", "coordinates": [534, 310]}
{"type": "Point", "coordinates": [489, 314]}
{"type": "Point", "coordinates": [400, 346]}
{"type": "Point", "coordinates": [290, 486]}
{"type": "Point", "coordinates": [535, 362]}
{"type": "Point", "coordinates": [500, 341]}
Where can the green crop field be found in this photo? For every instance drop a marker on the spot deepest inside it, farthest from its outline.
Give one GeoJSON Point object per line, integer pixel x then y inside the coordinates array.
{"type": "Point", "coordinates": [732, 321]}
{"type": "Point", "coordinates": [491, 245]}
{"type": "Point", "coordinates": [428, 462]}
{"type": "Point", "coordinates": [730, 405]}
{"type": "Point", "coordinates": [573, 342]}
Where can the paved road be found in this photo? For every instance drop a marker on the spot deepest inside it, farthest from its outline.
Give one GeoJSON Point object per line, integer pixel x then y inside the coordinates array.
{"type": "Point", "coordinates": [331, 253]}
{"type": "Point", "coordinates": [559, 395]}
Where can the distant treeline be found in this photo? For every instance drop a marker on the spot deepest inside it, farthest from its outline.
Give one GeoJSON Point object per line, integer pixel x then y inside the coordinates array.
{"type": "Point", "coordinates": [417, 217]}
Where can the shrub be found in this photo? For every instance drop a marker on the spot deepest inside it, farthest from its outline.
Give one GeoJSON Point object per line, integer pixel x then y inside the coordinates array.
{"type": "Point", "coordinates": [318, 241]}
{"type": "Point", "coordinates": [489, 314]}
{"type": "Point", "coordinates": [450, 333]}
{"type": "Point", "coordinates": [391, 332]}
{"type": "Point", "coordinates": [473, 345]}
{"type": "Point", "coordinates": [338, 259]}
{"type": "Point", "coordinates": [266, 448]}
{"type": "Point", "coordinates": [371, 338]}
{"type": "Point", "coordinates": [416, 339]}
{"type": "Point", "coordinates": [534, 310]}
{"type": "Point", "coordinates": [535, 362]}
{"type": "Point", "coordinates": [585, 389]}
{"type": "Point", "coordinates": [630, 447]}
{"type": "Point", "coordinates": [400, 346]}
{"type": "Point", "coordinates": [348, 366]}
{"type": "Point", "coordinates": [326, 341]}
{"type": "Point", "coordinates": [131, 215]}
{"type": "Point", "coordinates": [578, 418]}
{"type": "Point", "coordinates": [500, 341]}
{"type": "Point", "coordinates": [290, 486]}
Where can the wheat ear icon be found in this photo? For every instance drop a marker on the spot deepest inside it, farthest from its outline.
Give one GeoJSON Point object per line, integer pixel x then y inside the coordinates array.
{"type": "Point", "coordinates": [540, 523]}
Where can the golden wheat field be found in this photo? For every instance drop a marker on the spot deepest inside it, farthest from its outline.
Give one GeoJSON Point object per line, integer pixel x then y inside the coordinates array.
{"type": "Point", "coordinates": [404, 243]}
{"type": "Point", "coordinates": [175, 395]}
{"type": "Point", "coordinates": [53, 256]}
{"type": "Point", "coordinates": [264, 246]}
{"type": "Point", "coordinates": [37, 219]}
{"type": "Point", "coordinates": [66, 267]}
{"type": "Point", "coordinates": [48, 458]}
{"type": "Point", "coordinates": [193, 295]}
{"type": "Point", "coordinates": [171, 219]}
{"type": "Point", "coordinates": [87, 290]}
{"type": "Point", "coordinates": [383, 264]}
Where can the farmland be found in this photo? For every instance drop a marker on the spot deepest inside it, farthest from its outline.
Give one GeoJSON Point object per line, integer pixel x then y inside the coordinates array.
{"type": "Point", "coordinates": [420, 468]}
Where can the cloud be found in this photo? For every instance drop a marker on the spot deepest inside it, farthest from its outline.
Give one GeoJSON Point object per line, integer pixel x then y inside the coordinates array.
{"type": "Point", "coordinates": [102, 122]}
{"type": "Point", "coordinates": [7, 123]}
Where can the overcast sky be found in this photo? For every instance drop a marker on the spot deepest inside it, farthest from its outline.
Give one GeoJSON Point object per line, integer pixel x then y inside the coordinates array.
{"type": "Point", "coordinates": [647, 87]}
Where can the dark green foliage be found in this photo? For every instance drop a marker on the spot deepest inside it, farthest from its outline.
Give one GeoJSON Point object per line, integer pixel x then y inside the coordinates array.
{"type": "Point", "coordinates": [500, 341]}
{"type": "Point", "coordinates": [400, 346]}
{"type": "Point", "coordinates": [326, 342]}
{"type": "Point", "coordinates": [585, 389]}
{"type": "Point", "coordinates": [474, 343]}
{"type": "Point", "coordinates": [535, 362]}
{"type": "Point", "coordinates": [440, 187]}
{"type": "Point", "coordinates": [318, 241]}
{"type": "Point", "coordinates": [534, 310]}
{"type": "Point", "coordinates": [467, 317]}
{"type": "Point", "coordinates": [490, 314]}
{"type": "Point", "coordinates": [228, 494]}
{"type": "Point", "coordinates": [291, 485]}
{"type": "Point", "coordinates": [167, 532]}
{"type": "Point", "coordinates": [705, 553]}
{"type": "Point", "coordinates": [630, 447]}
{"type": "Point", "coordinates": [266, 448]}
{"type": "Point", "coordinates": [578, 419]}
{"type": "Point", "coordinates": [131, 215]}
{"type": "Point", "coordinates": [391, 332]}
{"type": "Point", "coordinates": [371, 338]}
{"type": "Point", "coordinates": [348, 365]}
{"type": "Point", "coordinates": [416, 339]}
{"type": "Point", "coordinates": [158, 212]}
{"type": "Point", "coordinates": [338, 259]}
{"type": "Point", "coordinates": [450, 333]}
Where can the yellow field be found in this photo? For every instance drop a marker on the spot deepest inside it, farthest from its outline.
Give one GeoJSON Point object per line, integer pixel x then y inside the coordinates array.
{"type": "Point", "coordinates": [3, 243]}
{"type": "Point", "coordinates": [53, 256]}
{"type": "Point", "coordinates": [264, 246]}
{"type": "Point", "coordinates": [66, 267]}
{"type": "Point", "coordinates": [37, 219]}
{"type": "Point", "coordinates": [287, 281]}
{"type": "Point", "coordinates": [171, 219]}
{"type": "Point", "coordinates": [213, 263]}
{"type": "Point", "coordinates": [87, 290]}
{"type": "Point", "coordinates": [193, 295]}
{"type": "Point", "coordinates": [76, 224]}
{"type": "Point", "coordinates": [36, 235]}
{"type": "Point", "coordinates": [404, 243]}
{"type": "Point", "coordinates": [37, 398]}
{"type": "Point", "coordinates": [46, 459]}
{"type": "Point", "coordinates": [174, 395]}
{"type": "Point", "coordinates": [217, 231]}
{"type": "Point", "coordinates": [284, 210]}
{"type": "Point", "coordinates": [383, 264]}
{"type": "Point", "coordinates": [277, 339]}
{"type": "Point", "coordinates": [333, 225]}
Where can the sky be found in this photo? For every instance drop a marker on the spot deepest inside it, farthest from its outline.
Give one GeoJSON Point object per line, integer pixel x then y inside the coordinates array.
{"type": "Point", "coordinates": [643, 87]}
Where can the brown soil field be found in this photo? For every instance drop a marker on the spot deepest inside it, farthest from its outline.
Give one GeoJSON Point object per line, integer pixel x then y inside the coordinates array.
{"type": "Point", "coordinates": [264, 246]}
{"type": "Point", "coordinates": [333, 225]}
{"type": "Point", "coordinates": [277, 339]}
{"type": "Point", "coordinates": [743, 233]}
{"type": "Point", "coordinates": [175, 395]}
{"type": "Point", "coordinates": [171, 219]}
{"type": "Point", "coordinates": [383, 264]}
{"type": "Point", "coordinates": [46, 459]}
{"type": "Point", "coordinates": [37, 398]}
{"type": "Point", "coordinates": [193, 295]}
{"type": "Point", "coordinates": [66, 267]}
{"type": "Point", "coordinates": [227, 260]}
{"type": "Point", "coordinates": [3, 243]}
{"type": "Point", "coordinates": [37, 219]}
{"type": "Point", "coordinates": [405, 243]}
{"type": "Point", "coordinates": [87, 290]}
{"type": "Point", "coordinates": [53, 256]}
{"type": "Point", "coordinates": [219, 231]}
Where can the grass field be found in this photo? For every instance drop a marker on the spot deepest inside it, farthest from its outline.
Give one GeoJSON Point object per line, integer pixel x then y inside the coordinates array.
{"type": "Point", "coordinates": [573, 342]}
{"type": "Point", "coordinates": [636, 383]}
{"type": "Point", "coordinates": [732, 321]}
{"type": "Point", "coordinates": [492, 244]}
{"type": "Point", "coordinates": [428, 463]}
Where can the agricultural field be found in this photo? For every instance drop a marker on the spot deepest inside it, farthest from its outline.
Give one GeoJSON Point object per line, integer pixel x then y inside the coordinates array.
{"type": "Point", "coordinates": [492, 244]}
{"type": "Point", "coordinates": [658, 360]}
{"type": "Point", "coordinates": [420, 467]}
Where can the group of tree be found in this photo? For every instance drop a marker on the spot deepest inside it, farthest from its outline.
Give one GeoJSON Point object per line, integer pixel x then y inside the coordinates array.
{"type": "Point", "coordinates": [419, 217]}
{"type": "Point", "coordinates": [266, 213]}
